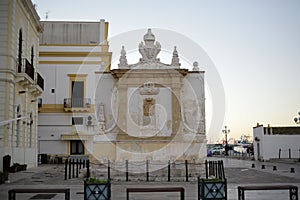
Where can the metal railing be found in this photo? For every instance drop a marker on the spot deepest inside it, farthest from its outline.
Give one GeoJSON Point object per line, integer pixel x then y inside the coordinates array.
{"type": "Point", "coordinates": [40, 81]}
{"type": "Point", "coordinates": [77, 102]}
{"type": "Point", "coordinates": [26, 67]}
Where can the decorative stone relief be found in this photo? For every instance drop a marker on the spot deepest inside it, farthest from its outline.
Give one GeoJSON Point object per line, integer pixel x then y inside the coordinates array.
{"type": "Point", "coordinates": [149, 89]}
{"type": "Point", "coordinates": [149, 50]}
{"type": "Point", "coordinates": [101, 126]}
{"type": "Point", "coordinates": [191, 115]}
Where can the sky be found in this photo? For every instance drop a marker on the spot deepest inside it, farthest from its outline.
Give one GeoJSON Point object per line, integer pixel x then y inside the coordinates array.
{"type": "Point", "coordinates": [254, 45]}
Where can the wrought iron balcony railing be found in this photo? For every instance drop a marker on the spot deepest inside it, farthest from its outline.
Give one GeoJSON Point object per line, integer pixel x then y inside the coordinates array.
{"type": "Point", "coordinates": [27, 68]}
{"type": "Point", "coordinates": [40, 81]}
{"type": "Point", "coordinates": [77, 102]}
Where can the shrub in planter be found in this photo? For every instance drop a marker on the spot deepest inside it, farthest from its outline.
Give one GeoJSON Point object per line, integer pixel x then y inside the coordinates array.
{"type": "Point", "coordinates": [96, 189]}
{"type": "Point", "coordinates": [212, 189]}
{"type": "Point", "coordinates": [22, 167]}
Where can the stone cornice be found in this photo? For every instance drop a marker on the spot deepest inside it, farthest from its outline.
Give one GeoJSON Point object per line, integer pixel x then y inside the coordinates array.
{"type": "Point", "coordinates": [33, 14]}
{"type": "Point", "coordinates": [118, 73]}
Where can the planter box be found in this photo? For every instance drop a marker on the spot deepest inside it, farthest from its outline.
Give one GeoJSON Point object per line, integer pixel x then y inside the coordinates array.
{"type": "Point", "coordinates": [212, 189]}
{"type": "Point", "coordinates": [97, 191]}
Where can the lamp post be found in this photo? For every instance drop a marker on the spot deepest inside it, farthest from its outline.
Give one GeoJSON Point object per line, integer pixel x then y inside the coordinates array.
{"type": "Point", "coordinates": [226, 131]}
{"type": "Point", "coordinates": [297, 119]}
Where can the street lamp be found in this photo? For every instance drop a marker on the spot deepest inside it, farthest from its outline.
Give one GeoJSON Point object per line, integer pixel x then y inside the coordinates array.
{"type": "Point", "coordinates": [226, 131]}
{"type": "Point", "coordinates": [297, 119]}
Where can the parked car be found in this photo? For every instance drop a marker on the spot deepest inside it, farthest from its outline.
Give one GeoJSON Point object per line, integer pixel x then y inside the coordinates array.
{"type": "Point", "coordinates": [217, 150]}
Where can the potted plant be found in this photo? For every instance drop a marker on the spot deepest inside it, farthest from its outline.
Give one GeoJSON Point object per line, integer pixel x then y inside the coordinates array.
{"type": "Point", "coordinates": [212, 188]}
{"type": "Point", "coordinates": [96, 189]}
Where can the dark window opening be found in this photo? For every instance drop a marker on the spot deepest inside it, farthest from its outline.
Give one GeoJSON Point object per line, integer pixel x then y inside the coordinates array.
{"type": "Point", "coordinates": [77, 147]}
{"type": "Point", "coordinates": [77, 94]}
{"type": "Point", "coordinates": [32, 56]}
{"type": "Point", "coordinates": [20, 51]}
{"type": "Point", "coordinates": [77, 120]}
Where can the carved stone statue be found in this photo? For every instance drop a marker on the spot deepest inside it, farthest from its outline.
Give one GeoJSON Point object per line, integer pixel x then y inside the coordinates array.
{"type": "Point", "coordinates": [123, 59]}
{"type": "Point", "coordinates": [175, 59]}
{"type": "Point", "coordinates": [195, 68]}
{"type": "Point", "coordinates": [149, 50]}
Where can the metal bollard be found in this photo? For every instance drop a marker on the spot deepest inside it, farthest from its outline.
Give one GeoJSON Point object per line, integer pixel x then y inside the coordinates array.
{"type": "Point", "coordinates": [263, 166]}
{"type": "Point", "coordinates": [126, 162]}
{"type": "Point", "coordinates": [279, 153]}
{"type": "Point", "coordinates": [169, 171]}
{"type": "Point", "coordinates": [186, 171]}
{"type": "Point", "coordinates": [66, 169]}
{"type": "Point", "coordinates": [108, 170]}
{"type": "Point", "coordinates": [147, 170]}
{"type": "Point", "coordinates": [274, 168]}
{"type": "Point", "coordinates": [253, 165]}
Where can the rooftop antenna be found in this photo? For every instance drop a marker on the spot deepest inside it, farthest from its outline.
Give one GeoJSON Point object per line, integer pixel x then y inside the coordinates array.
{"type": "Point", "coordinates": [47, 14]}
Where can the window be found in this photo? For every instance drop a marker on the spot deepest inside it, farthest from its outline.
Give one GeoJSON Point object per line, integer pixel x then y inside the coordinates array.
{"type": "Point", "coordinates": [77, 94]}
{"type": "Point", "coordinates": [77, 147]}
{"type": "Point", "coordinates": [77, 90]}
{"type": "Point", "coordinates": [32, 56]}
{"type": "Point", "coordinates": [77, 120]}
{"type": "Point", "coordinates": [18, 128]}
{"type": "Point", "coordinates": [20, 51]}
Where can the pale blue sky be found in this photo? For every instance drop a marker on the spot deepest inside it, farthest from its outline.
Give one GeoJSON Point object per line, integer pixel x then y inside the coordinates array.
{"type": "Point", "coordinates": [255, 46]}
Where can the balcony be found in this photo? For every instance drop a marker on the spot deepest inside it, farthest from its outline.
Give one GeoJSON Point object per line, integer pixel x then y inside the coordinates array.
{"type": "Point", "coordinates": [40, 81]}
{"type": "Point", "coordinates": [25, 73]}
{"type": "Point", "coordinates": [27, 77]}
{"type": "Point", "coordinates": [77, 104]}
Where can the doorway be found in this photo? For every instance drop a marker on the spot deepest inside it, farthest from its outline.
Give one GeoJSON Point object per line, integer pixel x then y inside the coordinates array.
{"type": "Point", "coordinates": [77, 94]}
{"type": "Point", "coordinates": [77, 147]}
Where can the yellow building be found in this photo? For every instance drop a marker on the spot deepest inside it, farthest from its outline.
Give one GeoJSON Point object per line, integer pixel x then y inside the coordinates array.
{"type": "Point", "coordinates": [70, 53]}
{"type": "Point", "coordinates": [20, 82]}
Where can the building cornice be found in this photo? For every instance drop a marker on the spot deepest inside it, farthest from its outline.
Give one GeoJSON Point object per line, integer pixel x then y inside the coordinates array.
{"type": "Point", "coordinates": [33, 14]}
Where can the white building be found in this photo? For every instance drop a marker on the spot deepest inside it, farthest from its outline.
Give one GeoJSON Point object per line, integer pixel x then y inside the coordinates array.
{"type": "Point", "coordinates": [269, 142]}
{"type": "Point", "coordinates": [20, 82]}
{"type": "Point", "coordinates": [147, 110]}
{"type": "Point", "coordinates": [70, 53]}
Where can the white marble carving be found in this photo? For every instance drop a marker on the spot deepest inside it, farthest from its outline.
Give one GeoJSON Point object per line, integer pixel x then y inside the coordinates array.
{"type": "Point", "coordinates": [149, 89]}
{"type": "Point", "coordinates": [149, 50]}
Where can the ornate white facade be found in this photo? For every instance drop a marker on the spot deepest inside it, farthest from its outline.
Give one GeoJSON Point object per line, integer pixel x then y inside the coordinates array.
{"type": "Point", "coordinates": [153, 111]}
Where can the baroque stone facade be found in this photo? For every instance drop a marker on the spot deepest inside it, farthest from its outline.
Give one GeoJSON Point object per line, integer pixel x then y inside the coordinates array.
{"type": "Point", "coordinates": [150, 110]}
